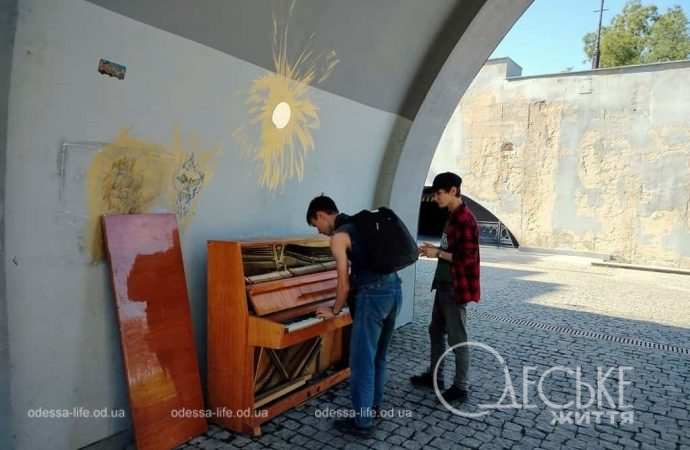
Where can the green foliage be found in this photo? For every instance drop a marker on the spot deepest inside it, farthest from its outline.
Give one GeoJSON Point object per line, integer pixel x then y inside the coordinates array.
{"type": "Point", "coordinates": [640, 35]}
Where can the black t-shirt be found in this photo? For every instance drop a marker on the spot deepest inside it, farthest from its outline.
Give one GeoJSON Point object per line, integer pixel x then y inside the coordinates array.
{"type": "Point", "coordinates": [442, 275]}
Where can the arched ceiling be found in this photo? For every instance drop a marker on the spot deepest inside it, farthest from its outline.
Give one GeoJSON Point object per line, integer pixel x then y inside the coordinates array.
{"type": "Point", "coordinates": [389, 50]}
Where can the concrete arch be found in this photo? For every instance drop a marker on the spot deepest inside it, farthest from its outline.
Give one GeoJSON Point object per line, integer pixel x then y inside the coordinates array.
{"type": "Point", "coordinates": [402, 176]}
{"type": "Point", "coordinates": [36, 218]}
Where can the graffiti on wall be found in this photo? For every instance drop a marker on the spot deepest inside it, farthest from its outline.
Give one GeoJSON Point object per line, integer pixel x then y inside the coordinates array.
{"type": "Point", "coordinates": [191, 173]}
{"type": "Point", "coordinates": [130, 176]}
{"type": "Point", "coordinates": [123, 185]}
{"type": "Point", "coordinates": [189, 180]}
{"type": "Point", "coordinates": [282, 115]}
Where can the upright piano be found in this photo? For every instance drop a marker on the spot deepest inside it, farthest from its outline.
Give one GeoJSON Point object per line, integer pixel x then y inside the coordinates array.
{"type": "Point", "coordinates": [267, 350]}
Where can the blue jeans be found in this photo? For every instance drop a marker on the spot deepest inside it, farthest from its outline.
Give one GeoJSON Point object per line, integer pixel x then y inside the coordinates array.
{"type": "Point", "coordinates": [377, 305]}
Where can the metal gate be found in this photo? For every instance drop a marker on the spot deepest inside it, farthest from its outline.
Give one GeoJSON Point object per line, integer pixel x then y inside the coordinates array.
{"type": "Point", "coordinates": [494, 233]}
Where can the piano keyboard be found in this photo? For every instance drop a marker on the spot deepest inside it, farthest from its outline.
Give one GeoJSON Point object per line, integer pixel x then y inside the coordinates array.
{"type": "Point", "coordinates": [309, 321]}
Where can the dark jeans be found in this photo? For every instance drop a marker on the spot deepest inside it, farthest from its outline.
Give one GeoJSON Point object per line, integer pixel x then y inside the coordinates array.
{"type": "Point", "coordinates": [377, 306]}
{"type": "Point", "coordinates": [449, 317]}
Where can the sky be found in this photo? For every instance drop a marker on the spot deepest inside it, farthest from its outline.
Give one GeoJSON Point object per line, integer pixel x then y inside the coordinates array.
{"type": "Point", "coordinates": [548, 36]}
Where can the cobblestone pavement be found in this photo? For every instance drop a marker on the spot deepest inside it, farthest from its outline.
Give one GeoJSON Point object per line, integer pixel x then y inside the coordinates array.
{"type": "Point", "coordinates": [537, 311]}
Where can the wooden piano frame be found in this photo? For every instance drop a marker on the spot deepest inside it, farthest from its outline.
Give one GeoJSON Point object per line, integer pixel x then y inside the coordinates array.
{"type": "Point", "coordinates": [236, 335]}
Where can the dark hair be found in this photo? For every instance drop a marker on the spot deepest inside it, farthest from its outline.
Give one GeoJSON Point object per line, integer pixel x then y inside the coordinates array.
{"type": "Point", "coordinates": [446, 181]}
{"type": "Point", "coordinates": [320, 203]}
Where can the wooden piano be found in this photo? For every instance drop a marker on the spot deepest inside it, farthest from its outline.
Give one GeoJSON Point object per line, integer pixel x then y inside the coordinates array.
{"type": "Point", "coordinates": [267, 351]}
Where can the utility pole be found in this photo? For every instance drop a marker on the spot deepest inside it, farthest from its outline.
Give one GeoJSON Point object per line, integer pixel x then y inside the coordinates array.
{"type": "Point", "coordinates": [595, 58]}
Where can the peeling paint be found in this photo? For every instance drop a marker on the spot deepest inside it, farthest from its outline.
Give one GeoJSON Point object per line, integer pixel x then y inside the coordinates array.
{"type": "Point", "coordinates": [598, 172]}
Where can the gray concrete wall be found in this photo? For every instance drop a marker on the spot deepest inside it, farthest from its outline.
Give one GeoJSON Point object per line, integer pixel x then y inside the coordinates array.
{"type": "Point", "coordinates": [383, 66]}
{"type": "Point", "coordinates": [63, 335]}
{"type": "Point", "coordinates": [8, 18]}
{"type": "Point", "coordinates": [593, 161]}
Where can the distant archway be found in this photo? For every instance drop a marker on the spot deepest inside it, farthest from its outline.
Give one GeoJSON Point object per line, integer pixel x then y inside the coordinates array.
{"type": "Point", "coordinates": [432, 220]}
{"type": "Point", "coordinates": [404, 170]}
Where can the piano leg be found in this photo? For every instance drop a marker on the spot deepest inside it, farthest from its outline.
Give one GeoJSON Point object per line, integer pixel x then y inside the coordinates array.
{"type": "Point", "coordinates": [252, 430]}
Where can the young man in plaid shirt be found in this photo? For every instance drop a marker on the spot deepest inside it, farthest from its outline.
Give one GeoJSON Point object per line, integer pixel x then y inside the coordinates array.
{"type": "Point", "coordinates": [456, 282]}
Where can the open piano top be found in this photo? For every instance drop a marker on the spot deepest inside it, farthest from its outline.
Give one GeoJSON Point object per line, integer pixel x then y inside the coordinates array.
{"type": "Point", "coordinates": [288, 281]}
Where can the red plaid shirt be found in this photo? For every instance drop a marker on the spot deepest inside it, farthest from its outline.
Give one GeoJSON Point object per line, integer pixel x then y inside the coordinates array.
{"type": "Point", "coordinates": [463, 243]}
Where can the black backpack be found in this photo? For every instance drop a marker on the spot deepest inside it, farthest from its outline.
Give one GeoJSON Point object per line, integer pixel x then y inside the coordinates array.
{"type": "Point", "coordinates": [388, 244]}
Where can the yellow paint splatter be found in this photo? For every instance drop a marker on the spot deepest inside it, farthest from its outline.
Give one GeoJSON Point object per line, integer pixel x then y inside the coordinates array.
{"type": "Point", "coordinates": [132, 176]}
{"type": "Point", "coordinates": [281, 112]}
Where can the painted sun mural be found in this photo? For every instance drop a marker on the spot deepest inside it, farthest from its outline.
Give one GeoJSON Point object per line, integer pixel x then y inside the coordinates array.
{"type": "Point", "coordinates": [278, 135]}
{"type": "Point", "coordinates": [130, 176]}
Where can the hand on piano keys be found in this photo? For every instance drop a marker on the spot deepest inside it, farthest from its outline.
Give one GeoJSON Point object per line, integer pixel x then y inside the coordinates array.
{"type": "Point", "coordinates": [325, 312]}
{"type": "Point", "coordinates": [318, 317]}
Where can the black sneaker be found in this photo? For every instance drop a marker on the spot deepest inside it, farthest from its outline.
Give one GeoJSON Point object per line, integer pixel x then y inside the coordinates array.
{"type": "Point", "coordinates": [348, 426]}
{"type": "Point", "coordinates": [454, 393]}
{"type": "Point", "coordinates": [425, 380]}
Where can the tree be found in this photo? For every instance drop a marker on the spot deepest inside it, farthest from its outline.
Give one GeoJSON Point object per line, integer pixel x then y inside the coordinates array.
{"type": "Point", "coordinates": [640, 35]}
{"type": "Point", "coordinates": [669, 39]}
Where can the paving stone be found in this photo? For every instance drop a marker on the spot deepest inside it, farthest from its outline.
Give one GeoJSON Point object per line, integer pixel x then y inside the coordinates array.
{"type": "Point", "coordinates": [660, 381]}
{"type": "Point", "coordinates": [412, 445]}
{"type": "Point", "coordinates": [511, 435]}
{"type": "Point", "coordinates": [222, 435]}
{"type": "Point", "coordinates": [419, 425]}
{"type": "Point", "coordinates": [387, 425]}
{"type": "Point", "coordinates": [478, 425]}
{"type": "Point", "coordinates": [421, 437]}
{"type": "Point", "coordinates": [610, 445]}
{"type": "Point", "coordinates": [629, 443]}
{"type": "Point", "coordinates": [395, 439]}
{"type": "Point", "coordinates": [535, 433]}
{"type": "Point", "coordinates": [355, 446]}
{"type": "Point", "coordinates": [608, 437]}
{"type": "Point", "coordinates": [379, 445]}
{"type": "Point", "coordinates": [240, 441]}
{"type": "Point", "coordinates": [550, 445]}
{"type": "Point", "coordinates": [282, 445]}
{"type": "Point", "coordinates": [299, 439]}
{"type": "Point", "coordinates": [528, 442]}
{"type": "Point", "coordinates": [210, 444]}
{"type": "Point", "coordinates": [436, 431]}
{"type": "Point", "coordinates": [470, 443]}
{"type": "Point", "coordinates": [291, 424]}
{"type": "Point", "coordinates": [307, 430]}
{"type": "Point", "coordinates": [254, 446]}
{"type": "Point", "coordinates": [404, 431]}
{"type": "Point", "coordinates": [484, 436]}
{"type": "Point", "coordinates": [338, 442]}
{"type": "Point", "coordinates": [441, 443]}
{"type": "Point", "coordinates": [323, 436]}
